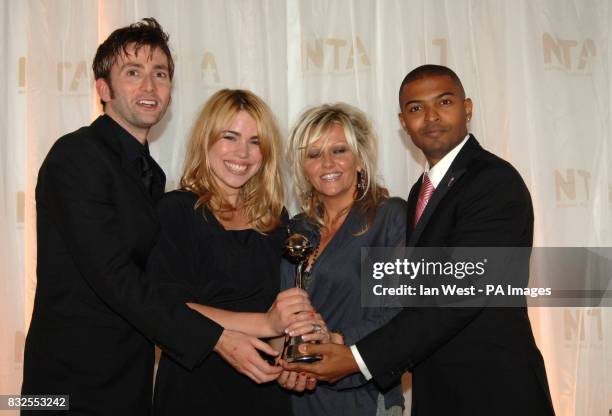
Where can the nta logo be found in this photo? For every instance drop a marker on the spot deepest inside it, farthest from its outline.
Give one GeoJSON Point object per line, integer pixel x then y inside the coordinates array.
{"type": "Point", "coordinates": [568, 54]}
{"type": "Point", "coordinates": [572, 187]}
{"type": "Point", "coordinates": [334, 55]}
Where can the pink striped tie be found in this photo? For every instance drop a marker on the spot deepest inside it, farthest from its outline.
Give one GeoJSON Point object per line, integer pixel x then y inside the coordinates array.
{"type": "Point", "coordinates": [427, 189]}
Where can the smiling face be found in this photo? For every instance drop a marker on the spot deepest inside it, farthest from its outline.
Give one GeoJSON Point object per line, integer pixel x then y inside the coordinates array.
{"type": "Point", "coordinates": [236, 156]}
{"type": "Point", "coordinates": [331, 167]}
{"type": "Point", "coordinates": [435, 113]}
{"type": "Point", "coordinates": [139, 90]}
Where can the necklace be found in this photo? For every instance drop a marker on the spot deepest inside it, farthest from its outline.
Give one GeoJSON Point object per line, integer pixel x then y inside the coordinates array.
{"type": "Point", "coordinates": [307, 276]}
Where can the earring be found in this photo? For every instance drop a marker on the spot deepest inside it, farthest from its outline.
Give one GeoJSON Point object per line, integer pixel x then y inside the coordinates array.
{"type": "Point", "coordinates": [361, 184]}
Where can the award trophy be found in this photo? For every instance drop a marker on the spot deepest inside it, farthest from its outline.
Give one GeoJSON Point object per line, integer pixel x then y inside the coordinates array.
{"type": "Point", "coordinates": [301, 242]}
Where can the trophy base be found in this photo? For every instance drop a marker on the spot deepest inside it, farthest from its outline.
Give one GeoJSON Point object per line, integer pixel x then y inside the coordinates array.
{"type": "Point", "coordinates": [304, 359]}
{"type": "Point", "coordinates": [294, 356]}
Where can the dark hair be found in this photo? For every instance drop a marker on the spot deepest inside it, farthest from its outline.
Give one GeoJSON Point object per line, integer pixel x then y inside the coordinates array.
{"type": "Point", "coordinates": [429, 70]}
{"type": "Point", "coordinates": [147, 32]}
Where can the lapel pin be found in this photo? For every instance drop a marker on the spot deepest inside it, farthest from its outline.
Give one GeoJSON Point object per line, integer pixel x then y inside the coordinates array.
{"type": "Point", "coordinates": [451, 181]}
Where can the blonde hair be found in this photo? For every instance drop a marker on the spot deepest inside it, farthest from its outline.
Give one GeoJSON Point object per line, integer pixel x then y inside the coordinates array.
{"type": "Point", "coordinates": [262, 195]}
{"type": "Point", "coordinates": [361, 138]}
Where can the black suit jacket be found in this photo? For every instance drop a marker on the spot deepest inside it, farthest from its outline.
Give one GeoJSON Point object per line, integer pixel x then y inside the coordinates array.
{"type": "Point", "coordinates": [466, 361]}
{"type": "Point", "coordinates": [96, 314]}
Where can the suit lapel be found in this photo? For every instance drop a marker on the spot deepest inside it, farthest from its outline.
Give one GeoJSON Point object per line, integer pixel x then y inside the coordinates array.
{"type": "Point", "coordinates": [413, 197]}
{"type": "Point", "coordinates": [443, 187]}
{"type": "Point", "coordinates": [452, 176]}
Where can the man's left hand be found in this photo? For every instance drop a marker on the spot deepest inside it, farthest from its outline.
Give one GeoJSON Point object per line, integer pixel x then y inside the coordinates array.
{"type": "Point", "coordinates": [337, 362]}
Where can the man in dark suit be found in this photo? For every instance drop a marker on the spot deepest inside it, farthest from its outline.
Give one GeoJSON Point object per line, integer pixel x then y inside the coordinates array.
{"type": "Point", "coordinates": [465, 361]}
{"type": "Point", "coordinates": [96, 315]}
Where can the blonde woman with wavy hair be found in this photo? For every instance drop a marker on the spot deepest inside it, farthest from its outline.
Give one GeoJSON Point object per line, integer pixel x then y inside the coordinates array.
{"type": "Point", "coordinates": [362, 142]}
{"type": "Point", "coordinates": [261, 197]}
{"type": "Point", "coordinates": [220, 249]}
{"type": "Point", "coordinates": [332, 151]}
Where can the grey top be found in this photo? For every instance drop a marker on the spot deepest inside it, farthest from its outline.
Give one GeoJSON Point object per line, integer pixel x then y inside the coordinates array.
{"type": "Point", "coordinates": [335, 291]}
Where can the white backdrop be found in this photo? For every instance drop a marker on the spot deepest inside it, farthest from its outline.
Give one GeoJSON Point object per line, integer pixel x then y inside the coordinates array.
{"type": "Point", "coordinates": [538, 71]}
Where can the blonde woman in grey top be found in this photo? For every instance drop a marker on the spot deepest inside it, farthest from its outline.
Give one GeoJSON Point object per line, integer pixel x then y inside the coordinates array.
{"type": "Point", "coordinates": [332, 150]}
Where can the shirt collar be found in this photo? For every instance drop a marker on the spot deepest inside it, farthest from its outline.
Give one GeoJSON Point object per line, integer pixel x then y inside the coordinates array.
{"type": "Point", "coordinates": [437, 172]}
{"type": "Point", "coordinates": [130, 144]}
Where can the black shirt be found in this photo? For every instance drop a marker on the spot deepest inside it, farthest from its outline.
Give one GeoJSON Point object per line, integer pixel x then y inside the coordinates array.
{"type": "Point", "coordinates": [136, 152]}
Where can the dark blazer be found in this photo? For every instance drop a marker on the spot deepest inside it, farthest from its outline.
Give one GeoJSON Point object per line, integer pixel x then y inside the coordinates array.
{"type": "Point", "coordinates": [96, 314]}
{"type": "Point", "coordinates": [466, 361]}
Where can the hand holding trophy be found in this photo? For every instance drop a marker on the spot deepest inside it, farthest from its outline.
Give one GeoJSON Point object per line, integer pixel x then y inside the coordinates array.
{"type": "Point", "coordinates": [303, 239]}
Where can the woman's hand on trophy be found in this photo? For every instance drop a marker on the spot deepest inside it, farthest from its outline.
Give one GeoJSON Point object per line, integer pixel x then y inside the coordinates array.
{"type": "Point", "coordinates": [312, 329]}
{"type": "Point", "coordinates": [241, 351]}
{"type": "Point", "coordinates": [298, 382]}
{"type": "Point", "coordinates": [291, 306]}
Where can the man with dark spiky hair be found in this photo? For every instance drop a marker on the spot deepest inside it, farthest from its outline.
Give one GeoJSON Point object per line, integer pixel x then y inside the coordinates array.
{"type": "Point", "coordinates": [96, 315]}
{"type": "Point", "coordinates": [464, 361]}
